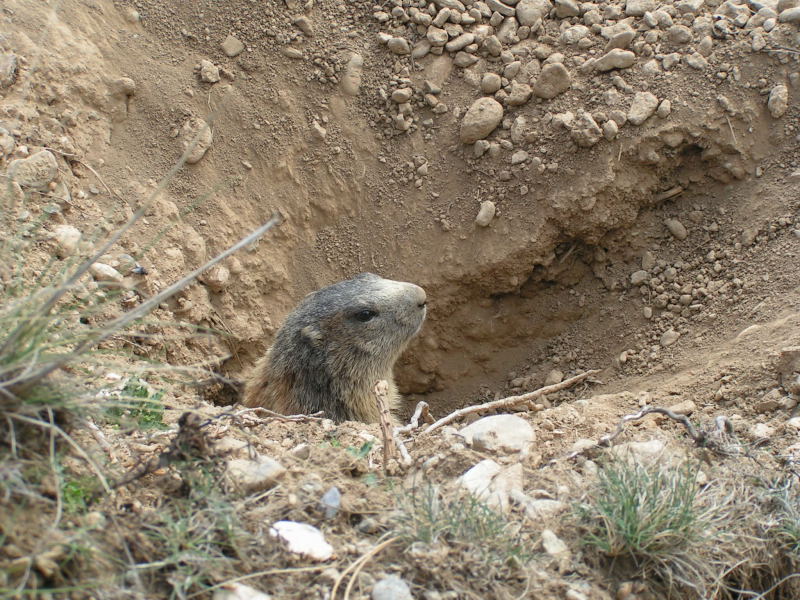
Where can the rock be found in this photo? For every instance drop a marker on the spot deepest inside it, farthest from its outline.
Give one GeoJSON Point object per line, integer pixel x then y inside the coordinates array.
{"type": "Point", "coordinates": [351, 79]}
{"type": "Point", "coordinates": [331, 502]}
{"type": "Point", "coordinates": [36, 171]}
{"type": "Point", "coordinates": [436, 36]}
{"type": "Point", "coordinates": [637, 8]}
{"type": "Point", "coordinates": [529, 11]}
{"type": "Point", "coordinates": [486, 213]}
{"type": "Point", "coordinates": [490, 83]}
{"type": "Point", "coordinates": [586, 133]}
{"type": "Point", "coordinates": [669, 337]}
{"type": "Point", "coordinates": [460, 42]}
{"type": "Point", "coordinates": [519, 157]}
{"type": "Point", "coordinates": [301, 451]}
{"type": "Point", "coordinates": [492, 484]}
{"type": "Point", "coordinates": [304, 24]}
{"type": "Point", "coordinates": [256, 475]}
{"type": "Point", "coordinates": [519, 94]}
{"type": "Point", "coordinates": [123, 87]}
{"type": "Point", "coordinates": [778, 101]}
{"type": "Point", "coordinates": [676, 228]}
{"type": "Point", "coordinates": [679, 34]}
{"type": "Point", "coordinates": [640, 277]}
{"type": "Point", "coordinates": [196, 139]}
{"type": "Point", "coordinates": [209, 72]}
{"type": "Point", "coordinates": [794, 423]}
{"type": "Point", "coordinates": [402, 95]}
{"type": "Point", "coordinates": [610, 129]}
{"type": "Point", "coordinates": [216, 278]}
{"type": "Point", "coordinates": [499, 433]}
{"type": "Point", "coordinates": [552, 81]}
{"type": "Point", "coordinates": [696, 61]}
{"type": "Point", "coordinates": [664, 109]}
{"type": "Point", "coordinates": [104, 272]}
{"type": "Point", "coordinates": [478, 479]}
{"type": "Point", "coordinates": [687, 407]}
{"type": "Point", "coordinates": [480, 120]}
{"type": "Point", "coordinates": [553, 545]}
{"type": "Point", "coordinates": [622, 39]}
{"type": "Point", "coordinates": [566, 9]}
{"type": "Point", "coordinates": [399, 46]}
{"type": "Point", "coordinates": [303, 539]}
{"type": "Point", "coordinates": [493, 45]}
{"type": "Point", "coordinates": [503, 9]}
{"type": "Point", "coordinates": [790, 15]}
{"type": "Point", "coordinates": [645, 453]}
{"type": "Point", "coordinates": [232, 46]}
{"type": "Point", "coordinates": [391, 588]}
{"type": "Point", "coordinates": [540, 509]}
{"type": "Point", "coordinates": [67, 237]}
{"type": "Point", "coordinates": [293, 53]}
{"type": "Point", "coordinates": [761, 431]}
{"type": "Point", "coordinates": [643, 106]}
{"type": "Point", "coordinates": [8, 69]}
{"type": "Point", "coordinates": [464, 60]}
{"type": "Point", "coordinates": [615, 59]}
{"type": "Point", "coordinates": [572, 35]}
{"type": "Point", "coordinates": [238, 591]}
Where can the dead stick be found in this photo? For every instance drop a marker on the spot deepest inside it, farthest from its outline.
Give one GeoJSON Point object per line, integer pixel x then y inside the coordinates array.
{"type": "Point", "coordinates": [381, 390]}
{"type": "Point", "coordinates": [421, 411]}
{"type": "Point", "coordinates": [511, 400]}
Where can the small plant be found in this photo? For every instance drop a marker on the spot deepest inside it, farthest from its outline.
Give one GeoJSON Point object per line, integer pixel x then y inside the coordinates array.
{"type": "Point", "coordinates": [644, 512]}
{"type": "Point", "coordinates": [787, 529]}
{"type": "Point", "coordinates": [463, 523]}
{"type": "Point", "coordinates": [139, 403]}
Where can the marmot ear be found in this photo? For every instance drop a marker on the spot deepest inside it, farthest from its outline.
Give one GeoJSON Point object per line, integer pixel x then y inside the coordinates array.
{"type": "Point", "coordinates": [314, 335]}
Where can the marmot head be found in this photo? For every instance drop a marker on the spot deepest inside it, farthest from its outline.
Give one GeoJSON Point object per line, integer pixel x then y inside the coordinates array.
{"type": "Point", "coordinates": [352, 329]}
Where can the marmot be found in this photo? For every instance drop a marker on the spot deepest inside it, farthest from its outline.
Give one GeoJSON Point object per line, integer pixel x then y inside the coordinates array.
{"type": "Point", "coordinates": [335, 346]}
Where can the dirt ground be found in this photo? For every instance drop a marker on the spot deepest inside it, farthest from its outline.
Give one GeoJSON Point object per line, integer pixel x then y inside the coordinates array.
{"type": "Point", "coordinates": [663, 251]}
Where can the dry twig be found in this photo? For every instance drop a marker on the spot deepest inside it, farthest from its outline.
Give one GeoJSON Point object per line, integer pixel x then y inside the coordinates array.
{"type": "Point", "coordinates": [357, 565]}
{"type": "Point", "coordinates": [422, 412]}
{"type": "Point", "coordinates": [511, 400]}
{"type": "Point", "coordinates": [381, 390]}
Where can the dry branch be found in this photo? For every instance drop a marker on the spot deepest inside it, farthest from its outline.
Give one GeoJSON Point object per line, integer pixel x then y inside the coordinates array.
{"type": "Point", "coordinates": [511, 400]}
{"type": "Point", "coordinates": [381, 390]}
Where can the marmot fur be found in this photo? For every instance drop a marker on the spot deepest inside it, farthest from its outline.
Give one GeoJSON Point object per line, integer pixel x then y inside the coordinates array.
{"type": "Point", "coordinates": [335, 346]}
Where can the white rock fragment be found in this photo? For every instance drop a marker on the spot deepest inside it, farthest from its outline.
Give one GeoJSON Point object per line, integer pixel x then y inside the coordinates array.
{"type": "Point", "coordinates": [669, 337]}
{"type": "Point", "coordinates": [238, 591]}
{"type": "Point", "coordinates": [553, 80]}
{"type": "Point", "coordinates": [209, 72]}
{"type": "Point", "coordinates": [391, 588]}
{"type": "Point", "coordinates": [676, 228]}
{"type": "Point", "coordinates": [36, 171]}
{"type": "Point", "coordinates": [104, 272]}
{"type": "Point", "coordinates": [778, 101]}
{"type": "Point", "coordinates": [553, 544]}
{"type": "Point", "coordinates": [196, 137]}
{"type": "Point", "coordinates": [254, 475]}
{"type": "Point", "coordinates": [486, 213]}
{"type": "Point", "coordinates": [303, 539]}
{"type": "Point", "coordinates": [499, 433]}
{"type": "Point", "coordinates": [232, 46]}
{"type": "Point", "coordinates": [615, 59]}
{"type": "Point", "coordinates": [481, 119]}
{"type": "Point", "coordinates": [643, 106]}
{"type": "Point", "coordinates": [67, 237]}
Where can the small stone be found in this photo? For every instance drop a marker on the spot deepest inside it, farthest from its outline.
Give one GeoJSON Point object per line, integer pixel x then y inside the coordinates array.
{"type": "Point", "coordinates": [318, 131]}
{"type": "Point", "coordinates": [104, 272]}
{"type": "Point", "coordinates": [696, 61]}
{"type": "Point", "coordinates": [615, 59]}
{"type": "Point", "coordinates": [761, 431]}
{"type": "Point", "coordinates": [503, 9]}
{"type": "Point", "coordinates": [552, 81]}
{"type": "Point", "coordinates": [399, 46]}
{"type": "Point", "coordinates": [529, 11]}
{"type": "Point", "coordinates": [553, 545]}
{"type": "Point", "coordinates": [67, 237]}
{"type": "Point", "coordinates": [519, 157]}
{"type": "Point", "coordinates": [566, 9]}
{"type": "Point", "coordinates": [519, 94]}
{"type": "Point", "coordinates": [123, 87]}
{"type": "Point", "coordinates": [216, 278]}
{"type": "Point", "coordinates": [778, 101]}
{"type": "Point", "coordinates": [436, 36]}
{"type": "Point", "coordinates": [254, 475]}
{"type": "Point", "coordinates": [196, 137]}
{"type": "Point", "coordinates": [36, 171]}
{"type": "Point", "coordinates": [664, 109]}
{"type": "Point", "coordinates": [402, 95]}
{"type": "Point", "coordinates": [486, 213]}
{"type": "Point", "coordinates": [610, 129]}
{"type": "Point", "coordinates": [679, 34]}
{"type": "Point", "coordinates": [464, 60]}
{"type": "Point", "coordinates": [302, 539]}
{"type": "Point", "coordinates": [301, 451]}
{"type": "Point", "coordinates": [331, 502]}
{"type": "Point", "coordinates": [303, 23]}
{"type": "Point", "coordinates": [209, 72]}
{"type": "Point", "coordinates": [481, 119]}
{"type": "Point", "coordinates": [490, 83]}
{"type": "Point", "coordinates": [640, 277]}
{"type": "Point", "coordinates": [238, 591]}
{"type": "Point", "coordinates": [790, 15]}
{"type": "Point", "coordinates": [676, 228]}
{"type": "Point", "coordinates": [391, 588]}
{"type": "Point", "coordinates": [687, 407]}
{"type": "Point", "coordinates": [622, 39]}
{"type": "Point", "coordinates": [585, 133]}
{"type": "Point", "coordinates": [8, 69]}
{"type": "Point", "coordinates": [293, 53]}
{"type": "Point", "coordinates": [499, 433]}
{"type": "Point", "coordinates": [232, 46]}
{"type": "Point", "coordinates": [669, 337]}
{"type": "Point", "coordinates": [637, 8]}
{"type": "Point", "coordinates": [351, 79]}
{"type": "Point", "coordinates": [460, 42]}
{"type": "Point", "coordinates": [643, 106]}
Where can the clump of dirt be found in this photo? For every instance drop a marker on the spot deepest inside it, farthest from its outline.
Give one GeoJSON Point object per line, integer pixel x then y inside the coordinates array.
{"type": "Point", "coordinates": [577, 186]}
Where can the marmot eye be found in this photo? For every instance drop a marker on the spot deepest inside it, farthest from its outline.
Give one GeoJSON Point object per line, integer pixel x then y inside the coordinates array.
{"type": "Point", "coordinates": [365, 315]}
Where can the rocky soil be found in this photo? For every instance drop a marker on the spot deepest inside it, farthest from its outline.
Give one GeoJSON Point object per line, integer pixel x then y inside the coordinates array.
{"type": "Point", "coordinates": [609, 185]}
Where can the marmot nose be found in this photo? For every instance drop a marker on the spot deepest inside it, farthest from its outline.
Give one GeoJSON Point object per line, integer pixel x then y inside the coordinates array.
{"type": "Point", "coordinates": [419, 296]}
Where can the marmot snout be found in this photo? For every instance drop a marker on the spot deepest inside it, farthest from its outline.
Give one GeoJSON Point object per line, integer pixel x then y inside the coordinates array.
{"type": "Point", "coordinates": [335, 346]}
